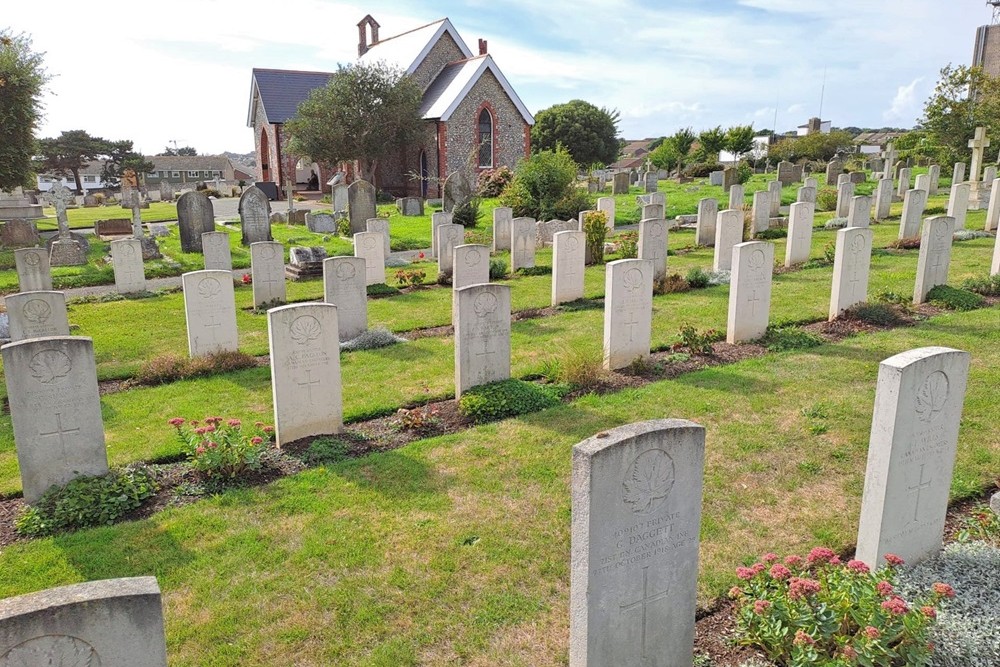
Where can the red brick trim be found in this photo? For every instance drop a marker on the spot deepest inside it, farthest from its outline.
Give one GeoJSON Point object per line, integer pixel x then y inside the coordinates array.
{"type": "Point", "coordinates": [442, 166]}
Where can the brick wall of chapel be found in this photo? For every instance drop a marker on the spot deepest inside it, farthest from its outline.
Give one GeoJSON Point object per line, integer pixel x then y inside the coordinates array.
{"type": "Point", "coordinates": [393, 174]}
{"type": "Point", "coordinates": [272, 142]}
{"type": "Point", "coordinates": [444, 52]}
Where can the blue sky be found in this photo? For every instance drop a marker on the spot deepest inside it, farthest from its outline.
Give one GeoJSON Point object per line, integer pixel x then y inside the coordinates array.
{"type": "Point", "coordinates": [180, 69]}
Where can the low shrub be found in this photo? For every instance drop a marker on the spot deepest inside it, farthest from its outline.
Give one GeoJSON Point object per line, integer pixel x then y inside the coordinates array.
{"type": "Point", "coordinates": [953, 298]}
{"type": "Point", "coordinates": [410, 277]}
{"type": "Point", "coordinates": [887, 296]}
{"type": "Point", "coordinates": [534, 271]}
{"type": "Point", "coordinates": [507, 398]}
{"type": "Point", "coordinates": [628, 245]}
{"type": "Point", "coordinates": [771, 233]}
{"type": "Point", "coordinates": [420, 420]}
{"type": "Point", "coordinates": [970, 234]}
{"type": "Point", "coordinates": [172, 367]}
{"type": "Point", "coordinates": [498, 268]}
{"type": "Point", "coordinates": [381, 290]}
{"type": "Point", "coordinates": [697, 278]}
{"type": "Point", "coordinates": [344, 228]}
{"type": "Point", "coordinates": [781, 338]}
{"type": "Point", "coordinates": [826, 199]}
{"type": "Point", "coordinates": [579, 368]}
{"type": "Point", "coordinates": [987, 286]}
{"type": "Point", "coordinates": [878, 314]}
{"type": "Point", "coordinates": [594, 226]}
{"type": "Point", "coordinates": [493, 181]}
{"type": "Point", "coordinates": [743, 172]}
{"type": "Point", "coordinates": [372, 340]}
{"type": "Point", "coordinates": [326, 451]}
{"type": "Point", "coordinates": [670, 283]}
{"type": "Point", "coordinates": [222, 449]}
{"type": "Point", "coordinates": [701, 169]}
{"type": "Point", "coordinates": [88, 501]}
{"type": "Point", "coordinates": [467, 213]}
{"type": "Point", "coordinates": [697, 342]}
{"type": "Point", "coordinates": [835, 223]}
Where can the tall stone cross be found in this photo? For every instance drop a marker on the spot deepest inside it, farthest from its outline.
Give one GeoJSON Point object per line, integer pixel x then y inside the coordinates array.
{"type": "Point", "coordinates": [60, 197]}
{"type": "Point", "coordinates": [136, 205]}
{"type": "Point", "coordinates": [978, 144]}
{"type": "Point", "coordinates": [889, 155]}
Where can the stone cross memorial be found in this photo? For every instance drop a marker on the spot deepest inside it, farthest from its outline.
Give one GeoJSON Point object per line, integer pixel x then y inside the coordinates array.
{"type": "Point", "coordinates": [728, 232]}
{"type": "Point", "coordinates": [55, 409]}
{"type": "Point", "coordinates": [36, 315]}
{"type": "Point", "coordinates": [522, 240]}
{"type": "Point", "coordinates": [215, 248]}
{"type": "Point", "coordinates": [65, 249]}
{"type": "Point", "coordinates": [344, 286]}
{"type": "Point", "coordinates": [567, 266]}
{"type": "Point", "coordinates": [369, 246]}
{"type": "Point", "coordinates": [750, 291]}
{"type": "Point", "coordinates": [482, 336]}
{"type": "Point", "coordinates": [33, 271]}
{"type": "Point", "coordinates": [800, 228]}
{"type": "Point", "coordinates": [267, 268]}
{"type": "Point", "coordinates": [636, 507]}
{"type": "Point", "coordinates": [305, 371]}
{"type": "Point", "coordinates": [106, 623]}
{"type": "Point", "coordinates": [360, 205]}
{"type": "Point", "coordinates": [911, 454]}
{"type": "Point", "coordinates": [935, 255]}
{"type": "Point", "coordinates": [851, 265]}
{"type": "Point", "coordinates": [255, 216]}
{"type": "Point", "coordinates": [653, 245]}
{"type": "Point", "coordinates": [979, 143]}
{"type": "Point", "coordinates": [501, 228]}
{"type": "Point", "coordinates": [708, 212]}
{"type": "Point", "coordinates": [210, 312]}
{"type": "Point", "coordinates": [126, 254]}
{"type": "Point", "coordinates": [195, 216]}
{"type": "Point", "coordinates": [628, 311]}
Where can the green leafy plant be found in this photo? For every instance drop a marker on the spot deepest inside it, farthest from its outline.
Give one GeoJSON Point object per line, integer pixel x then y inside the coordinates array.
{"type": "Point", "coordinates": [670, 283]}
{"type": "Point", "coordinates": [781, 338]}
{"type": "Point", "coordinates": [697, 278]}
{"type": "Point", "coordinates": [771, 233]}
{"type": "Point", "coordinates": [325, 451]}
{"type": "Point", "coordinates": [498, 268]}
{"type": "Point", "coordinates": [222, 448]}
{"type": "Point", "coordinates": [987, 286]}
{"type": "Point", "coordinates": [982, 525]}
{"type": "Point", "coordinates": [953, 298]}
{"type": "Point", "coordinates": [381, 290]}
{"type": "Point", "coordinates": [344, 228]}
{"type": "Point", "coordinates": [697, 342]}
{"type": "Point", "coordinates": [826, 199]}
{"type": "Point", "coordinates": [410, 277]}
{"type": "Point", "coordinates": [467, 213]}
{"type": "Point", "coordinates": [819, 611]}
{"type": "Point", "coordinates": [88, 501]}
{"type": "Point", "coordinates": [544, 187]}
{"type": "Point", "coordinates": [420, 420]}
{"type": "Point", "coordinates": [507, 398]}
{"type": "Point", "coordinates": [594, 226]}
{"type": "Point", "coordinates": [579, 368]}
{"type": "Point", "coordinates": [878, 314]}
{"type": "Point", "coordinates": [492, 182]}
{"type": "Point", "coordinates": [628, 245]}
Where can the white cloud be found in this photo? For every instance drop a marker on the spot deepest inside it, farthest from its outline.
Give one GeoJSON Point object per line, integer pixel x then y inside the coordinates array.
{"type": "Point", "coordinates": [905, 106]}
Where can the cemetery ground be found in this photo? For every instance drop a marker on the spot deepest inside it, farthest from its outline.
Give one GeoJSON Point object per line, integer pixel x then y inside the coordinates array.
{"type": "Point", "coordinates": [455, 549]}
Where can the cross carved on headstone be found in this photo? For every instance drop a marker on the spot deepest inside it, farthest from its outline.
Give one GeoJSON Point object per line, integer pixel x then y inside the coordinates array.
{"type": "Point", "coordinates": [917, 488]}
{"type": "Point", "coordinates": [978, 144]}
{"type": "Point", "coordinates": [486, 347]}
{"type": "Point", "coordinates": [632, 323]}
{"type": "Point", "coordinates": [643, 603]}
{"type": "Point", "coordinates": [753, 300]}
{"type": "Point", "coordinates": [309, 383]}
{"type": "Point", "coordinates": [59, 432]}
{"type": "Point", "coordinates": [60, 197]}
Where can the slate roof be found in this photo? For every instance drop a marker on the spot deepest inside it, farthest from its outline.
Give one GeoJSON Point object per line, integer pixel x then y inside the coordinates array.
{"type": "Point", "coordinates": [448, 90]}
{"type": "Point", "coordinates": [282, 91]}
{"type": "Point", "coordinates": [408, 49]}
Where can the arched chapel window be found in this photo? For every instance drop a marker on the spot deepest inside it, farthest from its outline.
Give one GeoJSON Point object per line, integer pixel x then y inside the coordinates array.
{"type": "Point", "coordinates": [485, 138]}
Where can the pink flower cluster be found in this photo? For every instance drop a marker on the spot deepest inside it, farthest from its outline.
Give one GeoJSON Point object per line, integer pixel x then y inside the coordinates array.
{"type": "Point", "coordinates": [896, 606]}
{"type": "Point", "coordinates": [894, 560]}
{"type": "Point", "coordinates": [799, 588]}
{"type": "Point", "coordinates": [943, 589]}
{"type": "Point", "coordinates": [803, 638]}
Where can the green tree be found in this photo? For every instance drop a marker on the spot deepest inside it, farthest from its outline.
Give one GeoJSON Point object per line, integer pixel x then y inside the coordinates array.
{"type": "Point", "coordinates": [590, 134]}
{"type": "Point", "coordinates": [711, 142]}
{"type": "Point", "coordinates": [544, 187]}
{"type": "Point", "coordinates": [739, 140]}
{"type": "Point", "coordinates": [68, 153]}
{"type": "Point", "coordinates": [666, 156]}
{"type": "Point", "coordinates": [22, 78]}
{"type": "Point", "coordinates": [964, 98]}
{"type": "Point", "coordinates": [119, 157]}
{"type": "Point", "coordinates": [183, 150]}
{"type": "Point", "coordinates": [365, 113]}
{"type": "Point", "coordinates": [817, 146]}
{"type": "Point", "coordinates": [683, 139]}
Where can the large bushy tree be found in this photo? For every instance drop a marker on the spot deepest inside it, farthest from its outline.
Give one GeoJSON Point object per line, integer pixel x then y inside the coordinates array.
{"type": "Point", "coordinates": [544, 187]}
{"type": "Point", "coordinates": [22, 78]}
{"type": "Point", "coordinates": [365, 113]}
{"type": "Point", "coordinates": [964, 99]}
{"type": "Point", "coordinates": [119, 157]}
{"type": "Point", "coordinates": [70, 152]}
{"type": "Point", "coordinates": [710, 142]}
{"type": "Point", "coordinates": [816, 146]}
{"type": "Point", "coordinates": [588, 133]}
{"type": "Point", "coordinates": [739, 140]}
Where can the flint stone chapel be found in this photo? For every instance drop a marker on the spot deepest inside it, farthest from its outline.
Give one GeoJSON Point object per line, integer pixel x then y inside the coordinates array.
{"type": "Point", "coordinates": [473, 116]}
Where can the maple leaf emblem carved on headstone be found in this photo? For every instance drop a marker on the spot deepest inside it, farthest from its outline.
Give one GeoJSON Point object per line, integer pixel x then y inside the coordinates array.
{"type": "Point", "coordinates": [932, 396]}
{"type": "Point", "coordinates": [648, 481]}
{"type": "Point", "coordinates": [50, 365]}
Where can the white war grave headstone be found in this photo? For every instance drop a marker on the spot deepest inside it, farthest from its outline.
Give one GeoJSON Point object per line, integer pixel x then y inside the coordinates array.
{"type": "Point", "coordinates": [437, 219]}
{"type": "Point", "coordinates": [934, 176]}
{"type": "Point", "coordinates": [482, 336]}
{"type": "Point", "coordinates": [215, 248]}
{"type": "Point", "coordinates": [126, 255]}
{"type": "Point", "coordinates": [736, 196]}
{"type": "Point", "coordinates": [883, 199]}
{"type": "Point", "coordinates": [448, 236]}
{"type": "Point", "coordinates": [774, 198]}
{"type": "Point", "coordinates": [568, 266]}
{"type": "Point", "coordinates": [708, 212]}
{"type": "Point", "coordinates": [267, 269]}
{"type": "Point", "coordinates": [914, 203]}
{"type": "Point", "coordinates": [904, 182]}
{"type": "Point", "coordinates": [851, 266]}
{"type": "Point", "coordinates": [653, 245]}
{"type": "Point", "coordinates": [380, 226]}
{"type": "Point", "coordinates": [33, 271]}
{"type": "Point", "coordinates": [728, 232]}
{"type": "Point", "coordinates": [845, 191]}
{"type": "Point", "coordinates": [36, 315]}
{"type": "Point", "coordinates": [993, 210]}
{"type": "Point", "coordinates": [860, 214]}
{"type": "Point", "coordinates": [369, 246]}
{"type": "Point", "coordinates": [935, 255]}
{"type": "Point", "coordinates": [628, 311]}
{"type": "Point", "coordinates": [760, 213]}
{"type": "Point", "coordinates": [470, 265]}
{"type": "Point", "coordinates": [502, 216]}
{"type": "Point", "coordinates": [210, 311]}
{"type": "Point", "coordinates": [750, 291]}
{"type": "Point", "coordinates": [800, 228]}
{"type": "Point", "coordinates": [344, 286]}
{"type": "Point", "coordinates": [607, 206]}
{"type": "Point", "coordinates": [958, 204]}
{"type": "Point", "coordinates": [255, 216]}
{"type": "Point", "coordinates": [522, 241]}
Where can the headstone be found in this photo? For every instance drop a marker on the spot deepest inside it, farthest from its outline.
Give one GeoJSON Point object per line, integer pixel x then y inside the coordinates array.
{"type": "Point", "coordinates": [843, 178]}
{"type": "Point", "coordinates": [653, 245]}
{"type": "Point", "coordinates": [267, 269]}
{"type": "Point", "coordinates": [210, 311]}
{"type": "Point", "coordinates": [958, 204]}
{"type": "Point", "coordinates": [33, 272]}
{"type": "Point", "coordinates": [958, 173]}
{"type": "Point", "coordinates": [728, 178]}
{"type": "Point", "coordinates": [166, 191]}
{"type": "Point", "coordinates": [215, 247]}
{"type": "Point", "coordinates": [708, 211]}
{"type": "Point", "coordinates": [502, 216]}
{"type": "Point", "coordinates": [305, 262]}
{"type": "Point", "coordinates": [568, 266]}
{"type": "Point", "coordinates": [457, 191]}
{"type": "Point", "coordinates": [860, 214]}
{"type": "Point", "coordinates": [715, 178]}
{"type": "Point", "coordinates": [36, 315]}
{"type": "Point", "coordinates": [369, 246]}
{"type": "Point", "coordinates": [851, 265]}
{"type": "Point", "coordinates": [935, 255]}
{"type": "Point", "coordinates": [113, 228]}
{"type": "Point", "coordinates": [760, 214]}
{"type": "Point", "coordinates": [470, 265]}
{"type": "Point", "coordinates": [344, 286]}
{"type": "Point", "coordinates": [651, 181]}
{"type": "Point", "coordinates": [934, 174]}
{"type": "Point", "coordinates": [620, 183]}
{"type": "Point", "coordinates": [993, 211]}
{"type": "Point", "coordinates": [736, 196]}
{"type": "Point", "coordinates": [66, 249]}
{"type": "Point", "coordinates": [888, 160]}
{"type": "Point", "coordinates": [750, 291]}
{"type": "Point", "coordinates": [786, 173]}
{"type": "Point", "coordinates": [728, 232]}
{"type": "Point", "coordinates": [922, 182]}
{"type": "Point", "coordinates": [980, 193]}
{"type": "Point", "coordinates": [636, 508]}
{"type": "Point", "coordinates": [339, 199]}
{"type": "Point", "coordinates": [305, 371]}
{"type": "Point", "coordinates": [18, 234]}
{"type": "Point", "coordinates": [807, 195]}
{"type": "Point", "coordinates": [321, 223]}
{"type": "Point", "coordinates": [361, 205]}
{"type": "Point", "coordinates": [653, 212]}
{"type": "Point", "coordinates": [628, 311]}
{"type": "Point", "coordinates": [607, 206]}
{"type": "Point", "coordinates": [834, 169]}
{"type": "Point", "coordinates": [883, 199]}
{"type": "Point", "coordinates": [126, 255]}
{"type": "Point", "coordinates": [914, 203]}
{"type": "Point", "coordinates": [811, 183]}
{"type": "Point", "coordinates": [195, 216]}
{"type": "Point", "coordinates": [904, 182]}
{"type": "Point", "coordinates": [774, 197]}
{"type": "Point", "coordinates": [858, 177]}
{"type": "Point", "coordinates": [412, 207]}
{"type": "Point", "coordinates": [158, 229]}
{"type": "Point", "coordinates": [89, 201]}
{"type": "Point", "coordinates": [845, 191]}
{"type": "Point", "coordinates": [59, 198]}
{"type": "Point", "coordinates": [438, 219]}
{"type": "Point", "coordinates": [911, 454]}
{"type": "Point", "coordinates": [979, 143]}
{"type": "Point", "coordinates": [108, 622]}
{"type": "Point", "coordinates": [482, 336]}
{"type": "Point", "coordinates": [522, 238]}
{"type": "Point", "coordinates": [652, 198]}
{"type": "Point", "coordinates": [380, 226]}
{"type": "Point", "coordinates": [448, 236]}
{"type": "Point", "coordinates": [55, 408]}
{"type": "Point", "coordinates": [800, 228]}
{"type": "Point", "coordinates": [255, 216]}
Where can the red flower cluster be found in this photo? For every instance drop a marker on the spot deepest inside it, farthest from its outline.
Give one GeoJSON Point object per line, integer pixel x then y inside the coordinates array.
{"type": "Point", "coordinates": [799, 588]}
{"type": "Point", "coordinates": [858, 566]}
{"type": "Point", "coordinates": [802, 637]}
{"type": "Point", "coordinates": [893, 559]}
{"type": "Point", "coordinates": [793, 560]}
{"type": "Point", "coordinates": [884, 589]}
{"type": "Point", "coordinates": [779, 571]}
{"type": "Point", "coordinates": [943, 589]}
{"type": "Point", "coordinates": [895, 605]}
{"type": "Point", "coordinates": [770, 558]}
{"type": "Point", "coordinates": [760, 606]}
{"type": "Point", "coordinates": [928, 611]}
{"type": "Point", "coordinates": [872, 632]}
{"type": "Point", "coordinates": [822, 555]}
{"type": "Point", "coordinates": [176, 422]}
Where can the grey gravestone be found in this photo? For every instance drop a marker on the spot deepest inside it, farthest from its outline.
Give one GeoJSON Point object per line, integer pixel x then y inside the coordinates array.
{"type": "Point", "coordinates": [787, 173]}
{"type": "Point", "coordinates": [344, 286]}
{"type": "Point", "coordinates": [715, 178]}
{"type": "Point", "coordinates": [833, 171]}
{"type": "Point", "coordinates": [36, 315]}
{"type": "Point", "coordinates": [255, 216]}
{"type": "Point", "coordinates": [338, 197]}
{"type": "Point", "coordinates": [33, 272]}
{"type": "Point", "coordinates": [858, 177]}
{"type": "Point", "coordinates": [620, 183]}
{"type": "Point", "coordinates": [89, 201]}
{"type": "Point", "coordinates": [321, 223]}
{"type": "Point", "coordinates": [305, 262]}
{"type": "Point", "coordinates": [883, 199]}
{"type": "Point", "coordinates": [360, 204]}
{"type": "Point", "coordinates": [18, 234]}
{"type": "Point", "coordinates": [115, 227]}
{"type": "Point", "coordinates": [482, 335]}
{"type": "Point", "coordinates": [110, 622]}
{"type": "Point", "coordinates": [411, 206]}
{"type": "Point", "coordinates": [158, 230]}
{"type": "Point", "coordinates": [195, 216]}
{"type": "Point", "coordinates": [166, 191]}
{"type": "Point", "coordinates": [708, 211]}
{"type": "Point", "coordinates": [457, 190]}
{"type": "Point", "coordinates": [636, 508]}
{"type": "Point", "coordinates": [501, 228]}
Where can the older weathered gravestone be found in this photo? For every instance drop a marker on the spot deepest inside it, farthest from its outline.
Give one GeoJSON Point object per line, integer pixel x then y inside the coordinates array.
{"type": "Point", "coordinates": [215, 248]}
{"type": "Point", "coordinates": [94, 624]}
{"type": "Point", "coordinates": [195, 216]}
{"type": "Point", "coordinates": [482, 336]}
{"type": "Point", "coordinates": [339, 199]}
{"type": "Point", "coordinates": [911, 454]}
{"type": "Point", "coordinates": [716, 178]}
{"type": "Point", "coordinates": [126, 255]}
{"type": "Point", "coordinates": [360, 205]}
{"type": "Point", "coordinates": [934, 175]}
{"type": "Point", "coordinates": [369, 246]}
{"type": "Point", "coordinates": [800, 228]}
{"type": "Point", "coordinates": [834, 169]}
{"type": "Point", "coordinates": [807, 195]}
{"type": "Point", "coordinates": [90, 201]}
{"type": "Point", "coordinates": [914, 202]}
{"type": "Point", "coordinates": [958, 204]}
{"type": "Point", "coordinates": [760, 213]}
{"type": "Point", "coordinates": [167, 191]}
{"type": "Point", "coordinates": [567, 266]}
{"type": "Point", "coordinates": [18, 234]}
{"type": "Point", "coordinates": [628, 311]}
{"type": "Point", "coordinates": [904, 182]}
{"type": "Point", "coordinates": [501, 228]}
{"type": "Point", "coordinates": [653, 245]}
{"type": "Point", "coordinates": [860, 213]}
{"type": "Point", "coordinates": [267, 269]}
{"type": "Point", "coordinates": [607, 206]}
{"type": "Point", "coordinates": [438, 219]}
{"type": "Point", "coordinates": [993, 210]}
{"type": "Point", "coordinates": [411, 206]}
{"type": "Point", "coordinates": [457, 191]}
{"type": "Point", "coordinates": [653, 212]}
{"type": "Point", "coordinates": [651, 181]}
{"type": "Point", "coordinates": [636, 507]}
{"type": "Point", "coordinates": [33, 272]}
{"type": "Point", "coordinates": [381, 227]}
{"type": "Point", "coordinates": [851, 265]}
{"type": "Point", "coordinates": [448, 236]}
{"type": "Point", "coordinates": [305, 371]}
{"type": "Point", "coordinates": [883, 199]}
{"type": "Point", "coordinates": [36, 315]}
{"type": "Point", "coordinates": [522, 240]}
{"type": "Point", "coordinates": [321, 223]}
{"type": "Point", "coordinates": [210, 312]}
{"type": "Point", "coordinates": [65, 249]}
{"type": "Point", "coordinates": [55, 408]}
{"type": "Point", "coordinates": [845, 191]}
{"type": "Point", "coordinates": [736, 195]}
{"type": "Point", "coordinates": [344, 286]}
{"type": "Point", "coordinates": [774, 197]}
{"type": "Point", "coordinates": [728, 232]}
{"type": "Point", "coordinates": [652, 198]}
{"type": "Point", "coordinates": [750, 291]}
{"type": "Point", "coordinates": [470, 265]}
{"type": "Point", "coordinates": [305, 262]}
{"type": "Point", "coordinates": [255, 216]}
{"type": "Point", "coordinates": [147, 245]}
{"type": "Point", "coordinates": [935, 255]}
{"type": "Point", "coordinates": [786, 173]}
{"type": "Point", "coordinates": [620, 183]}
{"type": "Point", "coordinates": [708, 211]}
{"type": "Point", "coordinates": [113, 228]}
{"type": "Point", "coordinates": [728, 178]}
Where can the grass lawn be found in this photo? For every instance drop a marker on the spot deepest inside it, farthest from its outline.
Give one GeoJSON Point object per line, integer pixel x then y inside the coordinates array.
{"type": "Point", "coordinates": [81, 218]}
